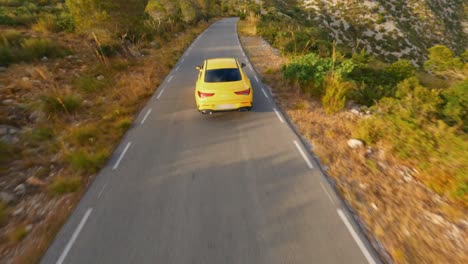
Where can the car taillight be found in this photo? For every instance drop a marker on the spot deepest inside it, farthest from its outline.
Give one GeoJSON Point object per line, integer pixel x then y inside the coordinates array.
{"type": "Point", "coordinates": [204, 95]}
{"type": "Point", "coordinates": [244, 92]}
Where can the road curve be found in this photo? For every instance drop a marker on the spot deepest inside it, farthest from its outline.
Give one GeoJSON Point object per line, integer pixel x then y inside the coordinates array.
{"type": "Point", "coordinates": [233, 187]}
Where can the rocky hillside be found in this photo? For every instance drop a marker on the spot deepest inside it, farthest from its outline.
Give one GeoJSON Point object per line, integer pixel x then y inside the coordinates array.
{"type": "Point", "coordinates": [391, 28]}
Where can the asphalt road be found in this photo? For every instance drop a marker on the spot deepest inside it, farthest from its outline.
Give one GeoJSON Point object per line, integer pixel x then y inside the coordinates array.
{"type": "Point", "coordinates": [233, 187]}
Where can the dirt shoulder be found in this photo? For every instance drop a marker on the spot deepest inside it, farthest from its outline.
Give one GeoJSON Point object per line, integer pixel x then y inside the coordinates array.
{"type": "Point", "coordinates": [414, 224]}
{"type": "Point", "coordinates": [60, 120]}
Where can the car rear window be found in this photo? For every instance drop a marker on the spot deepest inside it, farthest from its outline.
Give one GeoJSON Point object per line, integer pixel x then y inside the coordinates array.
{"type": "Point", "coordinates": [223, 75]}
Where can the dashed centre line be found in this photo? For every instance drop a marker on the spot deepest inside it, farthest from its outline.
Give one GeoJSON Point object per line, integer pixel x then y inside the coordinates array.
{"type": "Point", "coordinates": [116, 165]}
{"type": "Point", "coordinates": [361, 246]}
{"type": "Point", "coordinates": [146, 116]}
{"type": "Point", "coordinates": [256, 78]}
{"type": "Point", "coordinates": [304, 156]}
{"type": "Point", "coordinates": [74, 236]}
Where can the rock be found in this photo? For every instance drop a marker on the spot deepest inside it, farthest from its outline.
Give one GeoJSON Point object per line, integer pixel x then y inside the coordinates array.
{"type": "Point", "coordinates": [34, 181]}
{"type": "Point", "coordinates": [8, 101]}
{"type": "Point", "coordinates": [355, 111]}
{"type": "Point", "coordinates": [20, 189]}
{"type": "Point", "coordinates": [355, 143]}
{"type": "Point", "coordinates": [36, 116]}
{"type": "Point", "coordinates": [18, 211]}
{"type": "Point", "coordinates": [10, 139]}
{"type": "Point", "coordinates": [87, 103]}
{"type": "Point", "coordinates": [25, 79]}
{"type": "Point", "coordinates": [100, 77]}
{"type": "Point", "coordinates": [3, 130]}
{"type": "Point", "coordinates": [2, 69]}
{"type": "Point", "coordinates": [7, 197]}
{"type": "Point", "coordinates": [44, 58]}
{"type": "Point", "coordinates": [374, 206]}
{"type": "Point", "coordinates": [29, 228]}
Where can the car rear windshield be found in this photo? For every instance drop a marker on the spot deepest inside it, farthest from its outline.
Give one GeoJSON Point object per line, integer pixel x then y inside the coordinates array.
{"type": "Point", "coordinates": [223, 75]}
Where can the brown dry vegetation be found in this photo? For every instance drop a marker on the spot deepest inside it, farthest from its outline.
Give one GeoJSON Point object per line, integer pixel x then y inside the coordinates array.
{"type": "Point", "coordinates": [70, 121]}
{"type": "Point", "coordinates": [414, 224]}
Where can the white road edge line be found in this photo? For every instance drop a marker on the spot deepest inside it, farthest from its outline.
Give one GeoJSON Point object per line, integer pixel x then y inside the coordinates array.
{"type": "Point", "coordinates": [278, 115]}
{"type": "Point", "coordinates": [251, 68]}
{"type": "Point", "coordinates": [176, 69]}
{"type": "Point", "coordinates": [361, 246]}
{"type": "Point", "coordinates": [159, 95]}
{"type": "Point", "coordinates": [328, 194]}
{"type": "Point", "coordinates": [264, 93]}
{"type": "Point", "coordinates": [256, 78]}
{"type": "Point", "coordinates": [170, 78]}
{"type": "Point", "coordinates": [74, 236]}
{"type": "Point", "coordinates": [121, 156]}
{"type": "Point", "coordinates": [303, 155]}
{"type": "Point", "coordinates": [146, 116]}
{"type": "Point", "coordinates": [182, 60]}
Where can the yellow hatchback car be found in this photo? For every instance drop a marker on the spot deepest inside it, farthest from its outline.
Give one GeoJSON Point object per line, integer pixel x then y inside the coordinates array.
{"type": "Point", "coordinates": [222, 85]}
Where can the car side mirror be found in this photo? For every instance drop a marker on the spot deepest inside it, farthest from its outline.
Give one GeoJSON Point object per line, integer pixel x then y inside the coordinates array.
{"type": "Point", "coordinates": [198, 67]}
{"type": "Point", "coordinates": [242, 65]}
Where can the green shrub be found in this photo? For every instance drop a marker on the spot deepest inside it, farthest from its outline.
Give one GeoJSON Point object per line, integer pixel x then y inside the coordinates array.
{"type": "Point", "coordinates": [54, 104]}
{"type": "Point", "coordinates": [407, 126]}
{"type": "Point", "coordinates": [89, 84]}
{"type": "Point", "coordinates": [83, 135]}
{"type": "Point", "coordinates": [62, 185]}
{"type": "Point", "coordinates": [32, 49]}
{"type": "Point", "coordinates": [455, 106]}
{"type": "Point", "coordinates": [309, 71]}
{"type": "Point", "coordinates": [18, 234]}
{"type": "Point", "coordinates": [336, 89]}
{"type": "Point", "coordinates": [88, 162]}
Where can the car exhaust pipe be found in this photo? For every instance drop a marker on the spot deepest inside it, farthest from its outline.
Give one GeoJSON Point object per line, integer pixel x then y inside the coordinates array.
{"type": "Point", "coordinates": [207, 112]}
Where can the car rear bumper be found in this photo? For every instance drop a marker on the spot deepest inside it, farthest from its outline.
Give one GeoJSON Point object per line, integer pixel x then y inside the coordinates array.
{"type": "Point", "coordinates": [224, 106]}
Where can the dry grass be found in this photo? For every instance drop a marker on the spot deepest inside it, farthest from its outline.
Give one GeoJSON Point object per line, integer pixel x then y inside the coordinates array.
{"type": "Point", "coordinates": [69, 139]}
{"type": "Point", "coordinates": [398, 211]}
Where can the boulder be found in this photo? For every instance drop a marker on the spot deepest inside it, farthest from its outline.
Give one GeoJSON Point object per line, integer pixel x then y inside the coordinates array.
{"type": "Point", "coordinates": [355, 143]}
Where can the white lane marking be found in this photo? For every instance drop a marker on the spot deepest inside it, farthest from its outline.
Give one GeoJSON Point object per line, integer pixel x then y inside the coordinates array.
{"type": "Point", "coordinates": [176, 69]}
{"type": "Point", "coordinates": [159, 95]}
{"type": "Point", "coordinates": [250, 66]}
{"type": "Point", "coordinates": [182, 60]}
{"type": "Point", "coordinates": [278, 115]}
{"type": "Point", "coordinates": [121, 156]}
{"type": "Point", "coordinates": [264, 93]}
{"type": "Point", "coordinates": [74, 236]}
{"type": "Point", "coordinates": [146, 116]}
{"type": "Point", "coordinates": [256, 78]}
{"type": "Point", "coordinates": [328, 194]}
{"type": "Point", "coordinates": [303, 155]}
{"type": "Point", "coordinates": [102, 190]}
{"type": "Point", "coordinates": [363, 248]}
{"type": "Point", "coordinates": [170, 78]}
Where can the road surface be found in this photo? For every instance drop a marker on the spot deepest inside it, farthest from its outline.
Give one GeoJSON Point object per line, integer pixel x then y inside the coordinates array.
{"type": "Point", "coordinates": [234, 187]}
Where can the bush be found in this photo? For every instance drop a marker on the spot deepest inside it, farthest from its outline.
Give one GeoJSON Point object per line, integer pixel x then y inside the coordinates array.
{"type": "Point", "coordinates": [62, 185]}
{"type": "Point", "coordinates": [54, 104]}
{"type": "Point", "coordinates": [18, 234]}
{"type": "Point", "coordinates": [455, 106]}
{"type": "Point", "coordinates": [334, 99]}
{"type": "Point", "coordinates": [407, 126]}
{"type": "Point", "coordinates": [309, 72]}
{"type": "Point", "coordinates": [88, 162]}
{"type": "Point", "coordinates": [37, 48]}
{"type": "Point", "coordinates": [90, 84]}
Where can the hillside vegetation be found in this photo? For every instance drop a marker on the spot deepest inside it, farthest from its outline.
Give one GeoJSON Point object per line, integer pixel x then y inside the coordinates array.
{"type": "Point", "coordinates": [70, 72]}
{"type": "Point", "coordinates": [409, 112]}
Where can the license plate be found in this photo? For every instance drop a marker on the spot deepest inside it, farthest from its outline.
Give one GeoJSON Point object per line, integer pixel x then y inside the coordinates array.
{"type": "Point", "coordinates": [225, 106]}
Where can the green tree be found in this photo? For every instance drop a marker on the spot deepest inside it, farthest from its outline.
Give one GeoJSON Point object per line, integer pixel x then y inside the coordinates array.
{"type": "Point", "coordinates": [443, 62]}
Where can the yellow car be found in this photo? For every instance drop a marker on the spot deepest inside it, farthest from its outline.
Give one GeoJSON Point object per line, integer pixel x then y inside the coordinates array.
{"type": "Point", "coordinates": [222, 85]}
